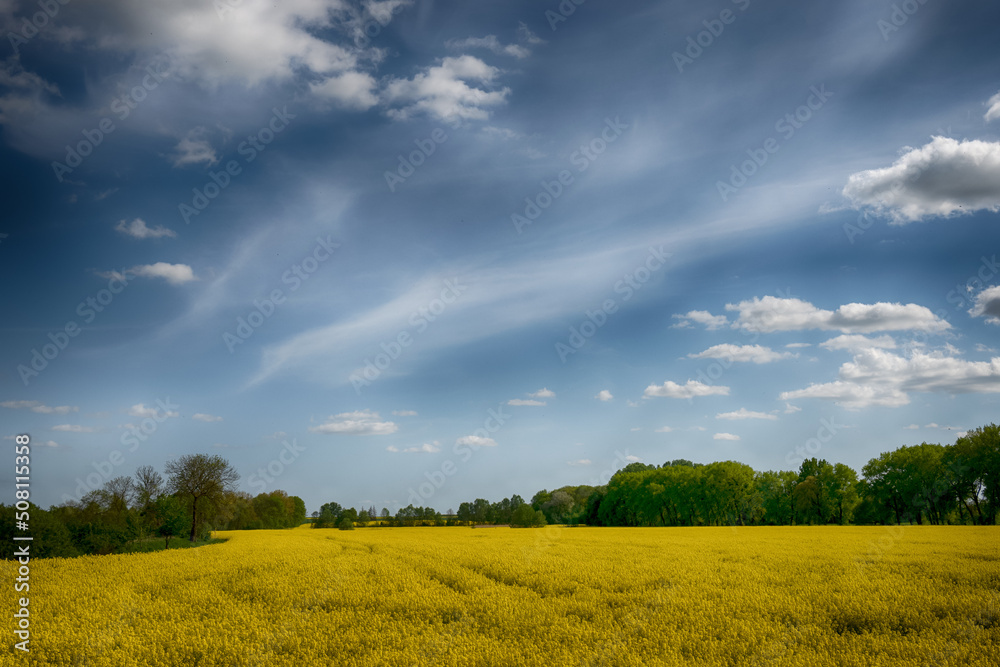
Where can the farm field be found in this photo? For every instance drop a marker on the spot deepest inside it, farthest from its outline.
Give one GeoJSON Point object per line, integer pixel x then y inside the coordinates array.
{"type": "Point", "coordinates": [811, 596]}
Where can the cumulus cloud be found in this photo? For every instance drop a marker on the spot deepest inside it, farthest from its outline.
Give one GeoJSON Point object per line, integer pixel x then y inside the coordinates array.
{"type": "Point", "coordinates": [476, 441]}
{"type": "Point", "coordinates": [443, 91]}
{"type": "Point", "coordinates": [725, 436]}
{"type": "Point", "coordinates": [426, 448]}
{"type": "Point", "coordinates": [175, 274]}
{"type": "Point", "coordinates": [703, 317]}
{"type": "Point", "coordinates": [941, 179]}
{"type": "Point", "coordinates": [140, 410]}
{"type": "Point", "coordinates": [489, 42]}
{"type": "Point", "coordinates": [746, 353]}
{"type": "Point", "coordinates": [382, 10]}
{"type": "Point", "coordinates": [41, 408]}
{"type": "Point", "coordinates": [404, 413]}
{"type": "Point", "coordinates": [521, 401]}
{"type": "Point", "coordinates": [543, 393]}
{"type": "Point", "coordinates": [879, 377]}
{"type": "Point", "coordinates": [193, 149]}
{"type": "Point", "coordinates": [987, 305]}
{"type": "Point", "coordinates": [769, 314]}
{"type": "Point", "coordinates": [361, 422]}
{"type": "Point", "coordinates": [693, 388]}
{"type": "Point", "coordinates": [743, 413]}
{"type": "Point", "coordinates": [137, 229]}
{"type": "Point", "coordinates": [357, 91]}
{"type": "Point", "coordinates": [604, 395]}
{"type": "Point", "coordinates": [202, 417]}
{"type": "Point", "coordinates": [993, 113]}
{"type": "Point", "coordinates": [857, 342]}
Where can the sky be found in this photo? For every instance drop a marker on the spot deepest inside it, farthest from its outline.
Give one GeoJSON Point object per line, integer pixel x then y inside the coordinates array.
{"type": "Point", "coordinates": [410, 251]}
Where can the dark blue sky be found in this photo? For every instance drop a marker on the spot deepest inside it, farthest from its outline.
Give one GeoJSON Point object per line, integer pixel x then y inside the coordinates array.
{"type": "Point", "coordinates": [734, 230]}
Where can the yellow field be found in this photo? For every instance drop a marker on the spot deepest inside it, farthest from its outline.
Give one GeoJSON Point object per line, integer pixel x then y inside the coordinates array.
{"type": "Point", "coordinates": [809, 596]}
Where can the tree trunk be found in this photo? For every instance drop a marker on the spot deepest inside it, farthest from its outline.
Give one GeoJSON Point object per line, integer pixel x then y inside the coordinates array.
{"type": "Point", "coordinates": [194, 517]}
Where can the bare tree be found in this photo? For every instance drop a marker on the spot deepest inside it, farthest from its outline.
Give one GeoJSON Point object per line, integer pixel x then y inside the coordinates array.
{"type": "Point", "coordinates": [148, 485]}
{"type": "Point", "coordinates": [202, 478]}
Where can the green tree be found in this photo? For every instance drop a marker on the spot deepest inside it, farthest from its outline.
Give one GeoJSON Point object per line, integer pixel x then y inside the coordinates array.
{"type": "Point", "coordinates": [526, 517]}
{"type": "Point", "coordinates": [173, 518]}
{"type": "Point", "coordinates": [201, 479]}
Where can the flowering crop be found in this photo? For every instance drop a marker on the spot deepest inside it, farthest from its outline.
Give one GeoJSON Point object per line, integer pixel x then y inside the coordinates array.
{"type": "Point", "coordinates": [810, 596]}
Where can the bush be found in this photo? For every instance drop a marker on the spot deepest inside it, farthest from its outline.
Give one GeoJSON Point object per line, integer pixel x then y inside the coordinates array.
{"type": "Point", "coordinates": [345, 524]}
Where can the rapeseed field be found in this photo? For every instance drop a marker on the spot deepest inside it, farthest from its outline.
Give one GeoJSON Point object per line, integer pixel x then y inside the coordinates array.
{"type": "Point", "coordinates": [809, 596]}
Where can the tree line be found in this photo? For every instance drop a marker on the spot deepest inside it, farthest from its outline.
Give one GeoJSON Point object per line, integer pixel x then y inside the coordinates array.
{"type": "Point", "coordinates": [198, 495]}
{"type": "Point", "coordinates": [926, 483]}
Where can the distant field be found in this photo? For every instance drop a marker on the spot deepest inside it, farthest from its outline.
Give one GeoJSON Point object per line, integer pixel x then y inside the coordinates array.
{"type": "Point", "coordinates": [811, 596]}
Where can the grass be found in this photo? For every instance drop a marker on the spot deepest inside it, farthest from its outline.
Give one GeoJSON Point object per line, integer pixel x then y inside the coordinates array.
{"type": "Point", "coordinates": [151, 544]}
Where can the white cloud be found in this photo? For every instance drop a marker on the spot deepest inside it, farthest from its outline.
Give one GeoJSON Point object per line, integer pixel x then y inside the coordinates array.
{"type": "Point", "coordinates": [382, 10]}
{"type": "Point", "coordinates": [911, 427]}
{"type": "Point", "coordinates": [985, 348]}
{"type": "Point", "coordinates": [769, 314]}
{"type": "Point", "coordinates": [45, 443]}
{"type": "Point", "coordinates": [993, 113]}
{"type": "Point", "coordinates": [202, 417]}
{"type": "Point", "coordinates": [793, 346]}
{"type": "Point", "coordinates": [140, 410]}
{"type": "Point", "coordinates": [942, 179]}
{"type": "Point", "coordinates": [743, 413]}
{"type": "Point", "coordinates": [521, 401]}
{"type": "Point", "coordinates": [987, 305]}
{"type": "Point", "coordinates": [664, 429]}
{"type": "Point", "coordinates": [175, 274]}
{"type": "Point", "coordinates": [350, 90]}
{"type": "Point", "coordinates": [791, 409]}
{"type": "Point", "coordinates": [725, 436]}
{"type": "Point", "coordinates": [74, 428]}
{"type": "Point", "coordinates": [426, 448]}
{"type": "Point", "coordinates": [41, 408]}
{"type": "Point", "coordinates": [854, 342]}
{"type": "Point", "coordinates": [879, 377]}
{"type": "Point", "coordinates": [476, 441]}
{"type": "Point", "coordinates": [632, 459]}
{"type": "Point", "coordinates": [404, 413]}
{"type": "Point", "coordinates": [604, 395]}
{"type": "Point", "coordinates": [746, 353]}
{"type": "Point", "coordinates": [580, 462]}
{"type": "Point", "coordinates": [543, 393]}
{"type": "Point", "coordinates": [443, 91]}
{"type": "Point", "coordinates": [214, 43]}
{"type": "Point", "coordinates": [489, 42]}
{"type": "Point", "coordinates": [137, 229]}
{"type": "Point", "coordinates": [362, 422]}
{"type": "Point", "coordinates": [193, 149]}
{"type": "Point", "coordinates": [693, 388]}
{"type": "Point", "coordinates": [711, 322]}
{"type": "Point", "coordinates": [525, 35]}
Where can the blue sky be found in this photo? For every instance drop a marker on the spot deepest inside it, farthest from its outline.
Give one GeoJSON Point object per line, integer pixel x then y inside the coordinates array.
{"type": "Point", "coordinates": [390, 251]}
